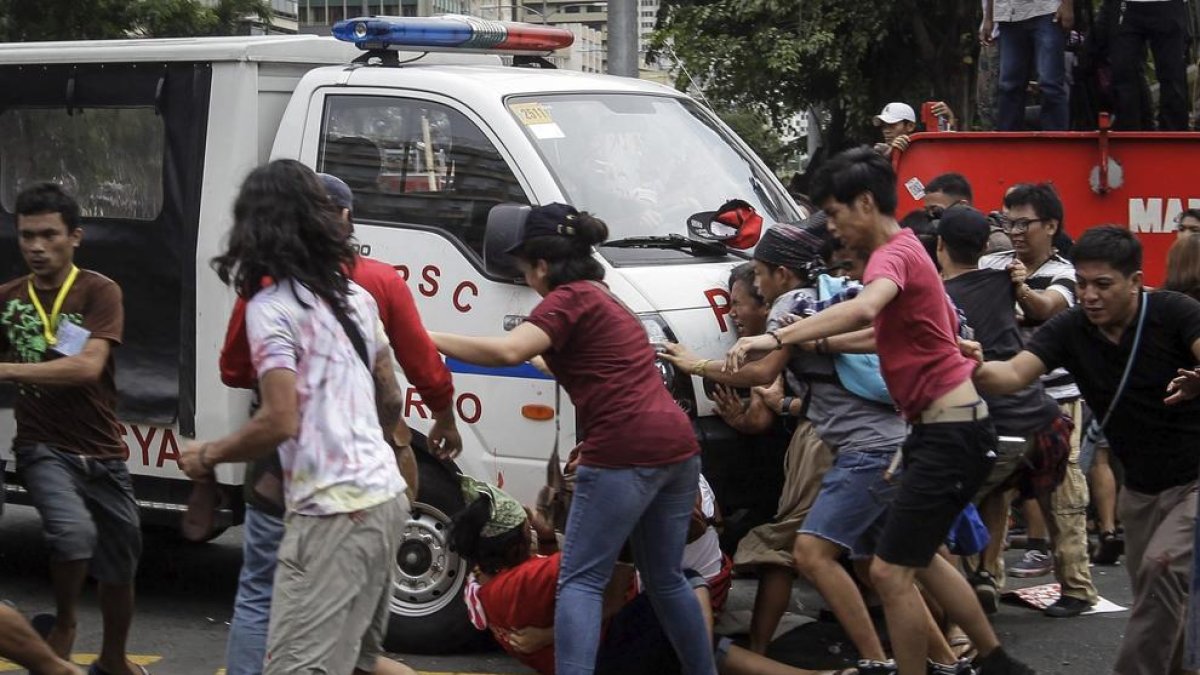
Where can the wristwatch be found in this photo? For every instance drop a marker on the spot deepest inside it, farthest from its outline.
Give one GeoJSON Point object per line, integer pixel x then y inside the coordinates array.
{"type": "Point", "coordinates": [785, 406]}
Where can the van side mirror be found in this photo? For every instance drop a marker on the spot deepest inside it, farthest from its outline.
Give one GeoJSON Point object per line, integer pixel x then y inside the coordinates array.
{"type": "Point", "coordinates": [504, 226]}
{"type": "Point", "coordinates": [736, 224]}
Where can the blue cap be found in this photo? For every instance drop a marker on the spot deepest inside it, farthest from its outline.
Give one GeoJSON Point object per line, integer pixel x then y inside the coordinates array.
{"type": "Point", "coordinates": [338, 191]}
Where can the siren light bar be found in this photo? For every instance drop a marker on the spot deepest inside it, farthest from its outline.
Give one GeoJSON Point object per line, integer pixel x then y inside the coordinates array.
{"type": "Point", "coordinates": [456, 33]}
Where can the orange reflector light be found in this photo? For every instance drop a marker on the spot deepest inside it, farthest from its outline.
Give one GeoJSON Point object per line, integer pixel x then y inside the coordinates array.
{"type": "Point", "coordinates": [537, 412]}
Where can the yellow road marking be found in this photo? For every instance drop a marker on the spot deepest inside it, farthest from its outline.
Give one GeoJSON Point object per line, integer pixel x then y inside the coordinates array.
{"type": "Point", "coordinates": [87, 660]}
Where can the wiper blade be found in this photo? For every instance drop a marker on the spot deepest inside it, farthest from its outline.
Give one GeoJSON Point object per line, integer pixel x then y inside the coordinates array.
{"type": "Point", "coordinates": [674, 242]}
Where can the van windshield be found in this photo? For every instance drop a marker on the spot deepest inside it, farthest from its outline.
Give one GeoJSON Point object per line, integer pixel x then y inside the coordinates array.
{"type": "Point", "coordinates": [644, 163]}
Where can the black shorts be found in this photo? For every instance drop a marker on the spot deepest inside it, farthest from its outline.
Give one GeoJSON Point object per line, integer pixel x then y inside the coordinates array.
{"type": "Point", "coordinates": [944, 466]}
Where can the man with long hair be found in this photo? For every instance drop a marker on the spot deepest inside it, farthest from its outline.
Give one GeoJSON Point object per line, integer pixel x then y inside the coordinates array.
{"type": "Point", "coordinates": [328, 390]}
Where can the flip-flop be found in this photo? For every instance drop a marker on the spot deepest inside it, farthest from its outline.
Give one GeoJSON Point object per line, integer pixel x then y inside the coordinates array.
{"type": "Point", "coordinates": [95, 669]}
{"type": "Point", "coordinates": [43, 623]}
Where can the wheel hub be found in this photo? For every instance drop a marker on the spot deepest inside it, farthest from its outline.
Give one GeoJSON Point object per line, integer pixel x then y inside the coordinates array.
{"type": "Point", "coordinates": [428, 573]}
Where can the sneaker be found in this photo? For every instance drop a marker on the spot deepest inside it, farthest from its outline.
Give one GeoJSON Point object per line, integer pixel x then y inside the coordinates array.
{"type": "Point", "coordinates": [986, 591]}
{"type": "Point", "coordinates": [963, 667]}
{"type": "Point", "coordinates": [998, 662]}
{"type": "Point", "coordinates": [1110, 549]}
{"type": "Point", "coordinates": [868, 667]}
{"type": "Point", "coordinates": [1066, 607]}
{"type": "Point", "coordinates": [1035, 563]}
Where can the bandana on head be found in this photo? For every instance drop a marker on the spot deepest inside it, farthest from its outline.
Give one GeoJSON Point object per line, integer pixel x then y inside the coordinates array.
{"type": "Point", "coordinates": [791, 247]}
{"type": "Point", "coordinates": [507, 513]}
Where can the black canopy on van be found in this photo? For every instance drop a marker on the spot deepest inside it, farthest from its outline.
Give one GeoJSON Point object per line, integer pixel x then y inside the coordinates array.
{"type": "Point", "coordinates": [128, 140]}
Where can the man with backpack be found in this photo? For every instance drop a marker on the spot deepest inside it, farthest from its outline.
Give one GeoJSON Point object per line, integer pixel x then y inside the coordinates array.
{"type": "Point", "coordinates": [865, 431]}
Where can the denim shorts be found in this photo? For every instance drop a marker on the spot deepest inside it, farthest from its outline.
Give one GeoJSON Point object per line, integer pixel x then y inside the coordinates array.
{"type": "Point", "coordinates": [854, 499]}
{"type": "Point", "coordinates": [87, 508]}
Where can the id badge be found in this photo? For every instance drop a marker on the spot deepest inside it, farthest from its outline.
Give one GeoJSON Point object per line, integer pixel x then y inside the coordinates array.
{"type": "Point", "coordinates": [71, 338]}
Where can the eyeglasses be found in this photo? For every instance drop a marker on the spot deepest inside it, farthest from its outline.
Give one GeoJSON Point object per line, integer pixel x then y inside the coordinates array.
{"type": "Point", "coordinates": [936, 211]}
{"type": "Point", "coordinates": [1019, 225]}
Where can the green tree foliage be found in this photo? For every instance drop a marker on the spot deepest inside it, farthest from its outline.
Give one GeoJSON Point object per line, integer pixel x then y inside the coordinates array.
{"type": "Point", "coordinates": [31, 20]}
{"type": "Point", "coordinates": [756, 129]}
{"type": "Point", "coordinates": [846, 58]}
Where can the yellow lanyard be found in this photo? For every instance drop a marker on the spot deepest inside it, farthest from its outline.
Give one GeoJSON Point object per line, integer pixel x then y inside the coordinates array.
{"type": "Point", "coordinates": [50, 323]}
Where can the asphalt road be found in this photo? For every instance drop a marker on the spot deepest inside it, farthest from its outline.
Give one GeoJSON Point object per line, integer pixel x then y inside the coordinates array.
{"type": "Point", "coordinates": [185, 596]}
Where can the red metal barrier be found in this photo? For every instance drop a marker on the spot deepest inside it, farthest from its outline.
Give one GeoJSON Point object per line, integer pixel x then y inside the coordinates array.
{"type": "Point", "coordinates": [1133, 179]}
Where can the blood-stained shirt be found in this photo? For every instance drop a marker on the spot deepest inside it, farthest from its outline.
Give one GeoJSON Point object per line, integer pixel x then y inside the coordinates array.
{"type": "Point", "coordinates": [339, 462]}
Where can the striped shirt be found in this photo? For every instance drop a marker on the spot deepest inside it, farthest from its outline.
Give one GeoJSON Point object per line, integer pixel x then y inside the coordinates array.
{"type": "Point", "coordinates": [1055, 275]}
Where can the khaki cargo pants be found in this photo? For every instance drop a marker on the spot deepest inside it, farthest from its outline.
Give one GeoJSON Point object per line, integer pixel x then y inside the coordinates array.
{"type": "Point", "coordinates": [333, 585]}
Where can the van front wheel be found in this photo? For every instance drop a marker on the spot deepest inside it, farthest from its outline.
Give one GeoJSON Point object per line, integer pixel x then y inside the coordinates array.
{"type": "Point", "coordinates": [428, 614]}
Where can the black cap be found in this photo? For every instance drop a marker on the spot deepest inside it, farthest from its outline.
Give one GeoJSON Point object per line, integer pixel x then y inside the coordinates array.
{"type": "Point", "coordinates": [964, 228]}
{"type": "Point", "coordinates": [547, 220]}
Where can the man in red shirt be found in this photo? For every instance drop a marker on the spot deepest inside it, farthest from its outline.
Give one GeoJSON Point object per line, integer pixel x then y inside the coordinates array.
{"type": "Point", "coordinates": [952, 444]}
{"type": "Point", "coordinates": [417, 356]}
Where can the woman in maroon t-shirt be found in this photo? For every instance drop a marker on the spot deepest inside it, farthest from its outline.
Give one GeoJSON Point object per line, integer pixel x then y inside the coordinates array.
{"type": "Point", "coordinates": [639, 463]}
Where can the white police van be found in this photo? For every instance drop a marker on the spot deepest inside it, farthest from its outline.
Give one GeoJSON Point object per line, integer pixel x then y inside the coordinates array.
{"type": "Point", "coordinates": [432, 122]}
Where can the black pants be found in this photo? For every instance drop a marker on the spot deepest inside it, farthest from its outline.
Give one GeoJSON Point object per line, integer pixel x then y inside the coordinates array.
{"type": "Point", "coordinates": [1163, 25]}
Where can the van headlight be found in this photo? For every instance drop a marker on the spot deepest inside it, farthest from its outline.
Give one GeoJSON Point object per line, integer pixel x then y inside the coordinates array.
{"type": "Point", "coordinates": [676, 382]}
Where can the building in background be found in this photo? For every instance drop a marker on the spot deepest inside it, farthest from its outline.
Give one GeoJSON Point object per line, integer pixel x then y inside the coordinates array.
{"type": "Point", "coordinates": [283, 18]}
{"type": "Point", "coordinates": [318, 16]}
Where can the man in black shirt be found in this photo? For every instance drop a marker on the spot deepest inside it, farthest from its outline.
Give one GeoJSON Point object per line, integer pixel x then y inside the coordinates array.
{"type": "Point", "coordinates": [1153, 426]}
{"type": "Point", "coordinates": [1026, 421]}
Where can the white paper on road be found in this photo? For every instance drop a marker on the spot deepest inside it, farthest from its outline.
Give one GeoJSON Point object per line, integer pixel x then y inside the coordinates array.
{"type": "Point", "coordinates": [1041, 597]}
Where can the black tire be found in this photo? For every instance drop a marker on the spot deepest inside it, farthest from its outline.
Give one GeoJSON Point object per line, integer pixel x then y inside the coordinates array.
{"type": "Point", "coordinates": [428, 614]}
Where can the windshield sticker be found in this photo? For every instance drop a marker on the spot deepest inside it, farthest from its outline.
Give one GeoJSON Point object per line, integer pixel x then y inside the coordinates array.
{"type": "Point", "coordinates": [546, 131]}
{"type": "Point", "coordinates": [915, 188]}
{"type": "Point", "coordinates": [531, 114]}
{"type": "Point", "coordinates": [539, 120]}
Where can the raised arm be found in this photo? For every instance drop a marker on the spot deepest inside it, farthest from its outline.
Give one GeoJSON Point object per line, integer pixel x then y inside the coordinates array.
{"type": "Point", "coordinates": [844, 317]}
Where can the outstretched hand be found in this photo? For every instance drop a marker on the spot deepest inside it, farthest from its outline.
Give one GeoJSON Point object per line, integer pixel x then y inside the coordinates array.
{"type": "Point", "coordinates": [744, 347]}
{"type": "Point", "coordinates": [1185, 386]}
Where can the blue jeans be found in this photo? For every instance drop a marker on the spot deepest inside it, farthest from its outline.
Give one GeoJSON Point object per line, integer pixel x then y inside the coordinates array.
{"type": "Point", "coordinates": [853, 503]}
{"type": "Point", "coordinates": [649, 506]}
{"type": "Point", "coordinates": [1023, 44]}
{"type": "Point", "coordinates": [252, 609]}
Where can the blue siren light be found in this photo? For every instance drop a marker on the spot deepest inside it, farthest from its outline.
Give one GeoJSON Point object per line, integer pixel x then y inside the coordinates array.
{"type": "Point", "coordinates": [451, 32]}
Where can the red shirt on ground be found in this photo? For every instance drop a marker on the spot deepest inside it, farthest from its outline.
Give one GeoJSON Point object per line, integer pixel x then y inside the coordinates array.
{"type": "Point", "coordinates": [521, 597]}
{"type": "Point", "coordinates": [601, 356]}
{"type": "Point", "coordinates": [414, 350]}
{"type": "Point", "coordinates": [916, 333]}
